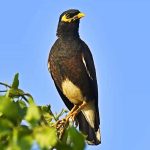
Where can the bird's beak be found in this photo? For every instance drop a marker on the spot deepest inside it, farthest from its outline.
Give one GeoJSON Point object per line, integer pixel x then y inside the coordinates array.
{"type": "Point", "coordinates": [80, 15]}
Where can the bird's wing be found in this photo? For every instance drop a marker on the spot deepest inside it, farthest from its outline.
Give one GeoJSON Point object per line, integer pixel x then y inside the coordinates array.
{"type": "Point", "coordinates": [64, 98]}
{"type": "Point", "coordinates": [87, 59]}
{"type": "Point", "coordinates": [88, 62]}
{"type": "Point", "coordinates": [85, 118]}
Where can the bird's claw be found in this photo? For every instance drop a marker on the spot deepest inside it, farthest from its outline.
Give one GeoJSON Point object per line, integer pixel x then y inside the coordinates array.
{"type": "Point", "coordinates": [60, 123]}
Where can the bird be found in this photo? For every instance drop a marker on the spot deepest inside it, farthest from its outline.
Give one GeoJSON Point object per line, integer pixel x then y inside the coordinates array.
{"type": "Point", "coordinates": [71, 65]}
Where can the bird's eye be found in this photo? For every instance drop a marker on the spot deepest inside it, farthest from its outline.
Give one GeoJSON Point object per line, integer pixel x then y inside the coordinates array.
{"type": "Point", "coordinates": [70, 15]}
{"type": "Point", "coordinates": [67, 16]}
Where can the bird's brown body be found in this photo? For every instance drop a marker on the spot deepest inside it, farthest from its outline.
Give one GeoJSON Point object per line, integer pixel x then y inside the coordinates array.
{"type": "Point", "coordinates": [62, 62]}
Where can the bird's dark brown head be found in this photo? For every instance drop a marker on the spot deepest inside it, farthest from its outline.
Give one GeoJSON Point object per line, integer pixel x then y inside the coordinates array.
{"type": "Point", "coordinates": [68, 24]}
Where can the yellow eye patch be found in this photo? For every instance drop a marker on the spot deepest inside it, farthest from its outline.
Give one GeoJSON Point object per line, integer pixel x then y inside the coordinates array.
{"type": "Point", "coordinates": [65, 19]}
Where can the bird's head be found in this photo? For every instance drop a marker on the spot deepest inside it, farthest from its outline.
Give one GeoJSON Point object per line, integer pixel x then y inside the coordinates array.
{"type": "Point", "coordinates": [71, 16]}
{"type": "Point", "coordinates": [68, 24]}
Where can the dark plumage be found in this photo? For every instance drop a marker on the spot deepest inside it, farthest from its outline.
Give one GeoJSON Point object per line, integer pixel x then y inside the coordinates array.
{"type": "Point", "coordinates": [72, 68]}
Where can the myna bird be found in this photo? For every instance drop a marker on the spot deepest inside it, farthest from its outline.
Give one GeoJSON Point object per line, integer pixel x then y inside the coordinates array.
{"type": "Point", "coordinates": [72, 68]}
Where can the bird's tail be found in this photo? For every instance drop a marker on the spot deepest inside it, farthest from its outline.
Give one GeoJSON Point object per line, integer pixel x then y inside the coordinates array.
{"type": "Point", "coordinates": [93, 134]}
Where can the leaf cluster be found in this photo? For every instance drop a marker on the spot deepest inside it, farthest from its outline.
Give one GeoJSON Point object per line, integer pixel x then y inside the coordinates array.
{"type": "Point", "coordinates": [23, 124]}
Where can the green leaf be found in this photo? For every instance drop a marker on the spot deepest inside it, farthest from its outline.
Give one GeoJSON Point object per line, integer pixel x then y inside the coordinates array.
{"type": "Point", "coordinates": [14, 93]}
{"type": "Point", "coordinates": [75, 139]}
{"type": "Point", "coordinates": [45, 136]}
{"type": "Point", "coordinates": [13, 146]}
{"type": "Point", "coordinates": [63, 146]}
{"type": "Point", "coordinates": [46, 116]}
{"type": "Point", "coordinates": [3, 146]}
{"type": "Point", "coordinates": [22, 104]}
{"type": "Point", "coordinates": [5, 127]}
{"type": "Point", "coordinates": [11, 110]}
{"type": "Point", "coordinates": [24, 138]}
{"type": "Point", "coordinates": [25, 143]}
{"type": "Point", "coordinates": [46, 108]}
{"type": "Point", "coordinates": [33, 115]}
{"type": "Point", "coordinates": [24, 130]}
{"type": "Point", "coordinates": [31, 101]}
{"type": "Point", "coordinates": [15, 83]}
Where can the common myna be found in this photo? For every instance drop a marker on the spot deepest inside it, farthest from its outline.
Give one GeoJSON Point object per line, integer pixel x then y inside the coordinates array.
{"type": "Point", "coordinates": [72, 68]}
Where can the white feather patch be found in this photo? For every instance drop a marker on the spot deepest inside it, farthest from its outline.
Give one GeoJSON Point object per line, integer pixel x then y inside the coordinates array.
{"type": "Point", "coordinates": [48, 64]}
{"type": "Point", "coordinates": [98, 135]}
{"type": "Point", "coordinates": [86, 67]}
{"type": "Point", "coordinates": [89, 113]}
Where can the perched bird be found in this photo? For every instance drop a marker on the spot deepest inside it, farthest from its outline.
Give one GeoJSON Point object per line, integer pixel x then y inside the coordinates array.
{"type": "Point", "coordinates": [72, 68]}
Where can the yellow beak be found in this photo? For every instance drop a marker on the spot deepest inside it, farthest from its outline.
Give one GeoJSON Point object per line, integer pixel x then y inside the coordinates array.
{"type": "Point", "coordinates": [80, 15]}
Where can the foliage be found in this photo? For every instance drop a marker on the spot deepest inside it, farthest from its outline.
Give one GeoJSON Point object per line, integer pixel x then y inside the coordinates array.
{"type": "Point", "coordinates": [23, 124]}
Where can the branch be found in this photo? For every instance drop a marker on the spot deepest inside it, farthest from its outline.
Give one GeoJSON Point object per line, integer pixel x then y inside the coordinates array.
{"type": "Point", "coordinates": [5, 84]}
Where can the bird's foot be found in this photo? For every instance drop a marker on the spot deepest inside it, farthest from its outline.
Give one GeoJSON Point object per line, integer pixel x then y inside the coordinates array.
{"type": "Point", "coordinates": [74, 112]}
{"type": "Point", "coordinates": [72, 116]}
{"type": "Point", "coordinates": [61, 126]}
{"type": "Point", "coordinates": [60, 123]}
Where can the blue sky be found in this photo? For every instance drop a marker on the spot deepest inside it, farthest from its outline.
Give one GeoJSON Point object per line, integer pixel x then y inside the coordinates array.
{"type": "Point", "coordinates": [118, 34]}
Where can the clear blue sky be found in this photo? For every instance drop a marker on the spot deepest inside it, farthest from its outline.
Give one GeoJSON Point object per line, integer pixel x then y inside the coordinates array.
{"type": "Point", "coordinates": [118, 34]}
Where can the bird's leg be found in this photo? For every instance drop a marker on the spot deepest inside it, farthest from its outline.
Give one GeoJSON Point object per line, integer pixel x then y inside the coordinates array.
{"type": "Point", "coordinates": [60, 123]}
{"type": "Point", "coordinates": [74, 113]}
{"type": "Point", "coordinates": [73, 109]}
{"type": "Point", "coordinates": [70, 113]}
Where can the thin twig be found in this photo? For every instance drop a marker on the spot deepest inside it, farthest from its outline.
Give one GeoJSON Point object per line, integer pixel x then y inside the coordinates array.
{"type": "Point", "coordinates": [21, 95]}
{"type": "Point", "coordinates": [5, 84]}
{"type": "Point", "coordinates": [29, 95]}
{"type": "Point", "coordinates": [60, 114]}
{"type": "Point", "coordinates": [3, 91]}
{"type": "Point", "coordinates": [24, 98]}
